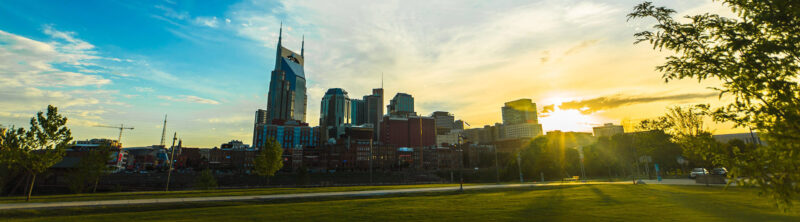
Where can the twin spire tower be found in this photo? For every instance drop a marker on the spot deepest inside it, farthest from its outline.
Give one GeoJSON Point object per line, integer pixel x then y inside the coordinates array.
{"type": "Point", "coordinates": [287, 100]}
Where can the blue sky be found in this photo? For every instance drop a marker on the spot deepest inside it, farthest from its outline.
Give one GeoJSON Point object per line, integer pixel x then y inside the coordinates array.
{"type": "Point", "coordinates": [206, 63]}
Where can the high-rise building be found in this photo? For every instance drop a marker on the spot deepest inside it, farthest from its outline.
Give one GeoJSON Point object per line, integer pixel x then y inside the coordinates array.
{"type": "Point", "coordinates": [261, 119]}
{"type": "Point", "coordinates": [609, 129]}
{"type": "Point", "coordinates": [444, 122]}
{"type": "Point", "coordinates": [334, 113]}
{"type": "Point", "coordinates": [358, 112]}
{"type": "Point", "coordinates": [287, 99]}
{"type": "Point", "coordinates": [520, 111]}
{"type": "Point", "coordinates": [374, 110]}
{"type": "Point", "coordinates": [458, 124]}
{"type": "Point", "coordinates": [401, 105]}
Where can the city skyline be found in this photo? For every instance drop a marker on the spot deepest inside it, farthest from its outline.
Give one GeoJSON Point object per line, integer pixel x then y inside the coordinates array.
{"type": "Point", "coordinates": [209, 69]}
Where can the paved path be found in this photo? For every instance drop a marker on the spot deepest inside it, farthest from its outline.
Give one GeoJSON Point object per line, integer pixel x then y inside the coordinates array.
{"type": "Point", "coordinates": [16, 206]}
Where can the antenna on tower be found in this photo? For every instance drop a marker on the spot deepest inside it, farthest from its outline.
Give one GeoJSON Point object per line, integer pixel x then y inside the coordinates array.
{"type": "Point", "coordinates": [164, 130]}
{"type": "Point", "coordinates": [303, 46]}
{"type": "Point", "coordinates": [381, 80]}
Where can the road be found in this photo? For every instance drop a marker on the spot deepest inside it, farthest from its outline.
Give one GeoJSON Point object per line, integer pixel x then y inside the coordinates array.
{"type": "Point", "coordinates": [17, 206]}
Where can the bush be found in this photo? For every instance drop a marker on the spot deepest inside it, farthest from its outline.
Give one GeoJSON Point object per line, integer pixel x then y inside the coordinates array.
{"type": "Point", "coordinates": [206, 180]}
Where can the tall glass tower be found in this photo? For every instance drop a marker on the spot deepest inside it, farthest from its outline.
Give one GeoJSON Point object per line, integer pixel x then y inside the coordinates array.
{"type": "Point", "coordinates": [287, 99]}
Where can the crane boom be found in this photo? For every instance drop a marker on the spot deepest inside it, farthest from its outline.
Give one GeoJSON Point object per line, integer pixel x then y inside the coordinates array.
{"type": "Point", "coordinates": [121, 127]}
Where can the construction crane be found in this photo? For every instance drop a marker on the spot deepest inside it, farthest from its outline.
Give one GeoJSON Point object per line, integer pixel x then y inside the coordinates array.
{"type": "Point", "coordinates": [120, 127]}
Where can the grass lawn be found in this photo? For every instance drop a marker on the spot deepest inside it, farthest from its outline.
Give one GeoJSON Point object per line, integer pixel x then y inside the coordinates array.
{"type": "Point", "coordinates": [562, 203]}
{"type": "Point", "coordinates": [203, 193]}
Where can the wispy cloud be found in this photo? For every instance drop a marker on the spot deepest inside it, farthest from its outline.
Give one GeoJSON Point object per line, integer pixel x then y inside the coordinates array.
{"type": "Point", "coordinates": [206, 21]}
{"type": "Point", "coordinates": [143, 89]}
{"type": "Point", "coordinates": [189, 99]}
{"type": "Point", "coordinates": [589, 106]}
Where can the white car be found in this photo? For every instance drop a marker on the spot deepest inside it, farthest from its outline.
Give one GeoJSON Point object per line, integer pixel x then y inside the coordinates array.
{"type": "Point", "coordinates": [698, 172]}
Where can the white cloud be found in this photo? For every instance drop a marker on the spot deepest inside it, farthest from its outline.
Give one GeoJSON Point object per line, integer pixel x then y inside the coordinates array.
{"type": "Point", "coordinates": [189, 99]}
{"type": "Point", "coordinates": [448, 55]}
{"type": "Point", "coordinates": [206, 21]}
{"type": "Point", "coordinates": [143, 89]}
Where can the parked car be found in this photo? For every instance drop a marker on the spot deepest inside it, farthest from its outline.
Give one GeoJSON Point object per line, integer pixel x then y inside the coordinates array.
{"type": "Point", "coordinates": [698, 172]}
{"type": "Point", "coordinates": [720, 171]}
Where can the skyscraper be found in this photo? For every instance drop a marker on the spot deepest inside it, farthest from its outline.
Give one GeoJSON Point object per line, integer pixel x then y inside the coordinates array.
{"type": "Point", "coordinates": [374, 110]}
{"type": "Point", "coordinates": [520, 111]}
{"type": "Point", "coordinates": [358, 112]}
{"type": "Point", "coordinates": [261, 119]}
{"type": "Point", "coordinates": [334, 112]}
{"type": "Point", "coordinates": [287, 99]}
{"type": "Point", "coordinates": [401, 105]}
{"type": "Point", "coordinates": [520, 120]}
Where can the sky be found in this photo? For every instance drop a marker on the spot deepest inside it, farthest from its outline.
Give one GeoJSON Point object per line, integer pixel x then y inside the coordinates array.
{"type": "Point", "coordinates": [206, 64]}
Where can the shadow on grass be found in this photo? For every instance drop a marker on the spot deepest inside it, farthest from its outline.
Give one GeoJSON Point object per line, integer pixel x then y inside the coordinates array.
{"type": "Point", "coordinates": [608, 200]}
{"type": "Point", "coordinates": [88, 211]}
{"type": "Point", "coordinates": [741, 209]}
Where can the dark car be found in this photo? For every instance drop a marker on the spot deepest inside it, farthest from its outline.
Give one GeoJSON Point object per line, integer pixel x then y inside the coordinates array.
{"type": "Point", "coordinates": [720, 171]}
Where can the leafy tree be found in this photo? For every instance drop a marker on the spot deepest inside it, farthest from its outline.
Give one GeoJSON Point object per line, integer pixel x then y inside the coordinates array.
{"type": "Point", "coordinates": [38, 148]}
{"type": "Point", "coordinates": [206, 180]}
{"type": "Point", "coordinates": [269, 159]}
{"type": "Point", "coordinates": [92, 166]}
{"type": "Point", "coordinates": [757, 58]}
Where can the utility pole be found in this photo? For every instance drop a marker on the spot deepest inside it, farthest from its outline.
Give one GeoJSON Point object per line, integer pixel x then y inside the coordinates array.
{"type": "Point", "coordinates": [461, 171]}
{"type": "Point", "coordinates": [370, 161]}
{"type": "Point", "coordinates": [583, 171]}
{"type": "Point", "coordinates": [171, 158]}
{"type": "Point", "coordinates": [519, 166]}
{"type": "Point", "coordinates": [496, 168]}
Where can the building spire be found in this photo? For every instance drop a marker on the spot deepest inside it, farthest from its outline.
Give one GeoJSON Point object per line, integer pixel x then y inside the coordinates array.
{"type": "Point", "coordinates": [278, 48]}
{"type": "Point", "coordinates": [303, 46]}
{"type": "Point", "coordinates": [280, 33]}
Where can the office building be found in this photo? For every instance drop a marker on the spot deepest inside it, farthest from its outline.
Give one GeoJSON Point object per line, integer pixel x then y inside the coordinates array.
{"type": "Point", "coordinates": [358, 112]}
{"type": "Point", "coordinates": [608, 129]}
{"type": "Point", "coordinates": [261, 119]}
{"type": "Point", "coordinates": [444, 122]}
{"type": "Point", "coordinates": [412, 131]}
{"type": "Point", "coordinates": [401, 105]}
{"type": "Point", "coordinates": [519, 111]}
{"type": "Point", "coordinates": [289, 136]}
{"type": "Point", "coordinates": [520, 120]}
{"type": "Point", "coordinates": [287, 99]}
{"type": "Point", "coordinates": [334, 113]}
{"type": "Point", "coordinates": [458, 124]}
{"type": "Point", "coordinates": [374, 110]}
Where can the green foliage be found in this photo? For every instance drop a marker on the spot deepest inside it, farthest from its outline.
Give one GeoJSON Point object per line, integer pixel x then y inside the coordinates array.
{"type": "Point", "coordinates": [269, 159]}
{"type": "Point", "coordinates": [206, 180]}
{"type": "Point", "coordinates": [757, 58]}
{"type": "Point", "coordinates": [92, 166]}
{"type": "Point", "coordinates": [38, 148]}
{"type": "Point", "coordinates": [555, 155]}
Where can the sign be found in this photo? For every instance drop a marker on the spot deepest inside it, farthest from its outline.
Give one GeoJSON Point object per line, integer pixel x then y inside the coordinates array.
{"type": "Point", "coordinates": [658, 174]}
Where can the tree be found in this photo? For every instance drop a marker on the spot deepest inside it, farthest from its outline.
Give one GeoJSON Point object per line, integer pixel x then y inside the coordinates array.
{"type": "Point", "coordinates": [757, 59]}
{"type": "Point", "coordinates": [269, 159]}
{"type": "Point", "coordinates": [92, 166]}
{"type": "Point", "coordinates": [38, 148]}
{"type": "Point", "coordinates": [206, 180]}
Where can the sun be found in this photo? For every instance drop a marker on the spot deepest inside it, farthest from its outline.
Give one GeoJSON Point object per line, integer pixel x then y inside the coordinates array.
{"type": "Point", "coordinates": [567, 120]}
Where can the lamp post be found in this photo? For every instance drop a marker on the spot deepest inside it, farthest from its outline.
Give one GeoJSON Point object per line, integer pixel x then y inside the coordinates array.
{"type": "Point", "coordinates": [171, 160]}
{"type": "Point", "coordinates": [496, 168]}
{"type": "Point", "coordinates": [519, 166]}
{"type": "Point", "coordinates": [370, 161]}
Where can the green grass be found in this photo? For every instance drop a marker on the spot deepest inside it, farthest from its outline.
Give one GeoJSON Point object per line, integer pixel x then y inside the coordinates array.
{"type": "Point", "coordinates": [203, 193]}
{"type": "Point", "coordinates": [556, 203]}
